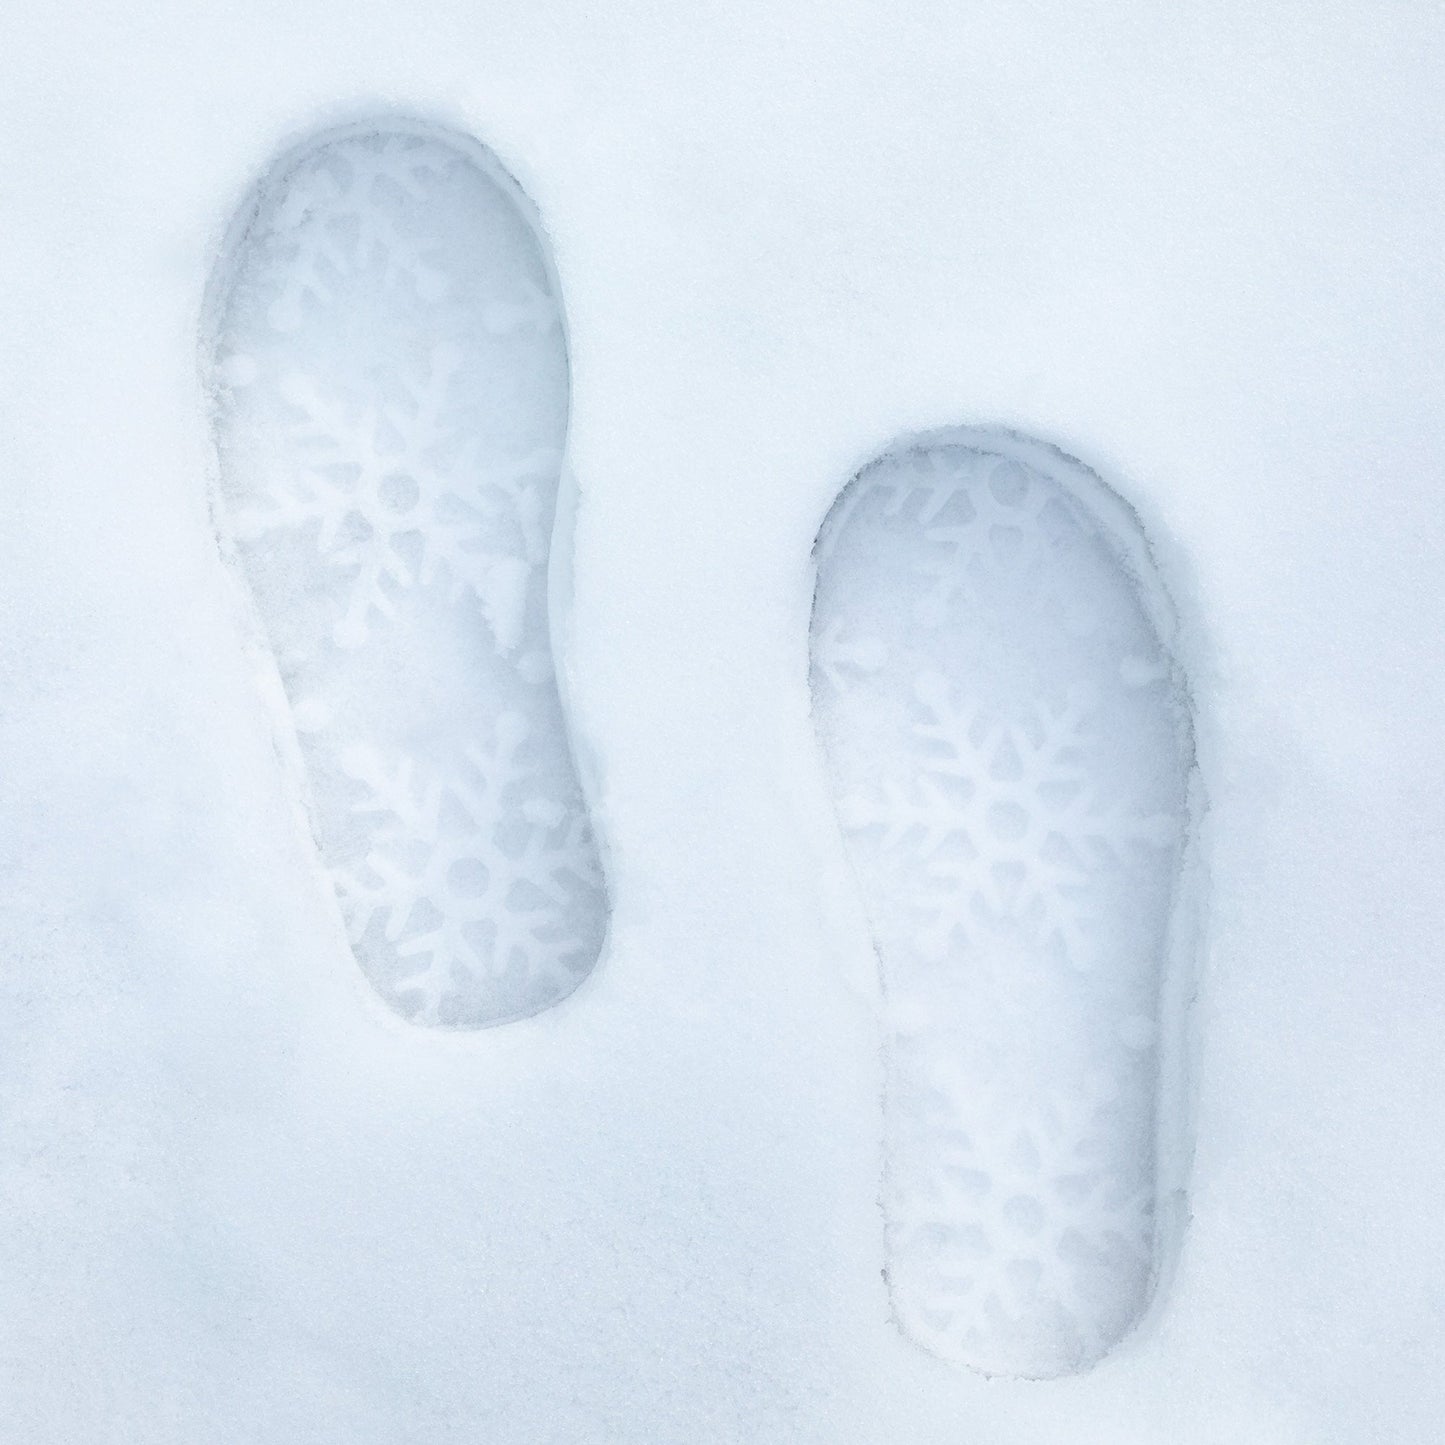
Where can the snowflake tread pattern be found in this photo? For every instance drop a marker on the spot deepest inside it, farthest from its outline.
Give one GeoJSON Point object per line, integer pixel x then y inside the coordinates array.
{"type": "Point", "coordinates": [390, 378]}
{"type": "Point", "coordinates": [1002, 730]}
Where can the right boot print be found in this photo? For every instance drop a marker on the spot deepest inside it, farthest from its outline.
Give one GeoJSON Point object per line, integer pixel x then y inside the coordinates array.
{"type": "Point", "coordinates": [1009, 745]}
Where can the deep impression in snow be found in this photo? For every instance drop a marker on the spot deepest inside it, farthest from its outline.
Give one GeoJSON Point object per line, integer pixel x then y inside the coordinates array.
{"type": "Point", "coordinates": [1008, 740]}
{"type": "Point", "coordinates": [387, 357]}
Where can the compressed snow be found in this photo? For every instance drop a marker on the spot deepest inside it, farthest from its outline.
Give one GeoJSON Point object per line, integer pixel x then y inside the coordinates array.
{"type": "Point", "coordinates": [1197, 249]}
{"type": "Point", "coordinates": [1009, 743]}
{"type": "Point", "coordinates": [391, 370]}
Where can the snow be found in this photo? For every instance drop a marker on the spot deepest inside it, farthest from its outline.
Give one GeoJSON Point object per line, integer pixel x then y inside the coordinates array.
{"type": "Point", "coordinates": [1197, 250]}
{"type": "Point", "coordinates": [1008, 741]}
{"type": "Point", "coordinates": [388, 371]}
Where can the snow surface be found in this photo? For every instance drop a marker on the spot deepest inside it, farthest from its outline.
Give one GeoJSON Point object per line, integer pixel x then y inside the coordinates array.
{"type": "Point", "coordinates": [1198, 250]}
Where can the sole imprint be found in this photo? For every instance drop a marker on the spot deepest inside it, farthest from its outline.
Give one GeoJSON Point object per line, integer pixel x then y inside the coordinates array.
{"type": "Point", "coordinates": [1009, 747]}
{"type": "Point", "coordinates": [388, 368]}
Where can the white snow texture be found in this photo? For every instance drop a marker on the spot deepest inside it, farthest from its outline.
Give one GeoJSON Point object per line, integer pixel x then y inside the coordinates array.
{"type": "Point", "coordinates": [883, 1091]}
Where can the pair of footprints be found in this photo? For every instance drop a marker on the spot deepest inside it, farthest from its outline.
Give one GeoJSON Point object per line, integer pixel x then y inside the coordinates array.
{"type": "Point", "coordinates": [1005, 731]}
